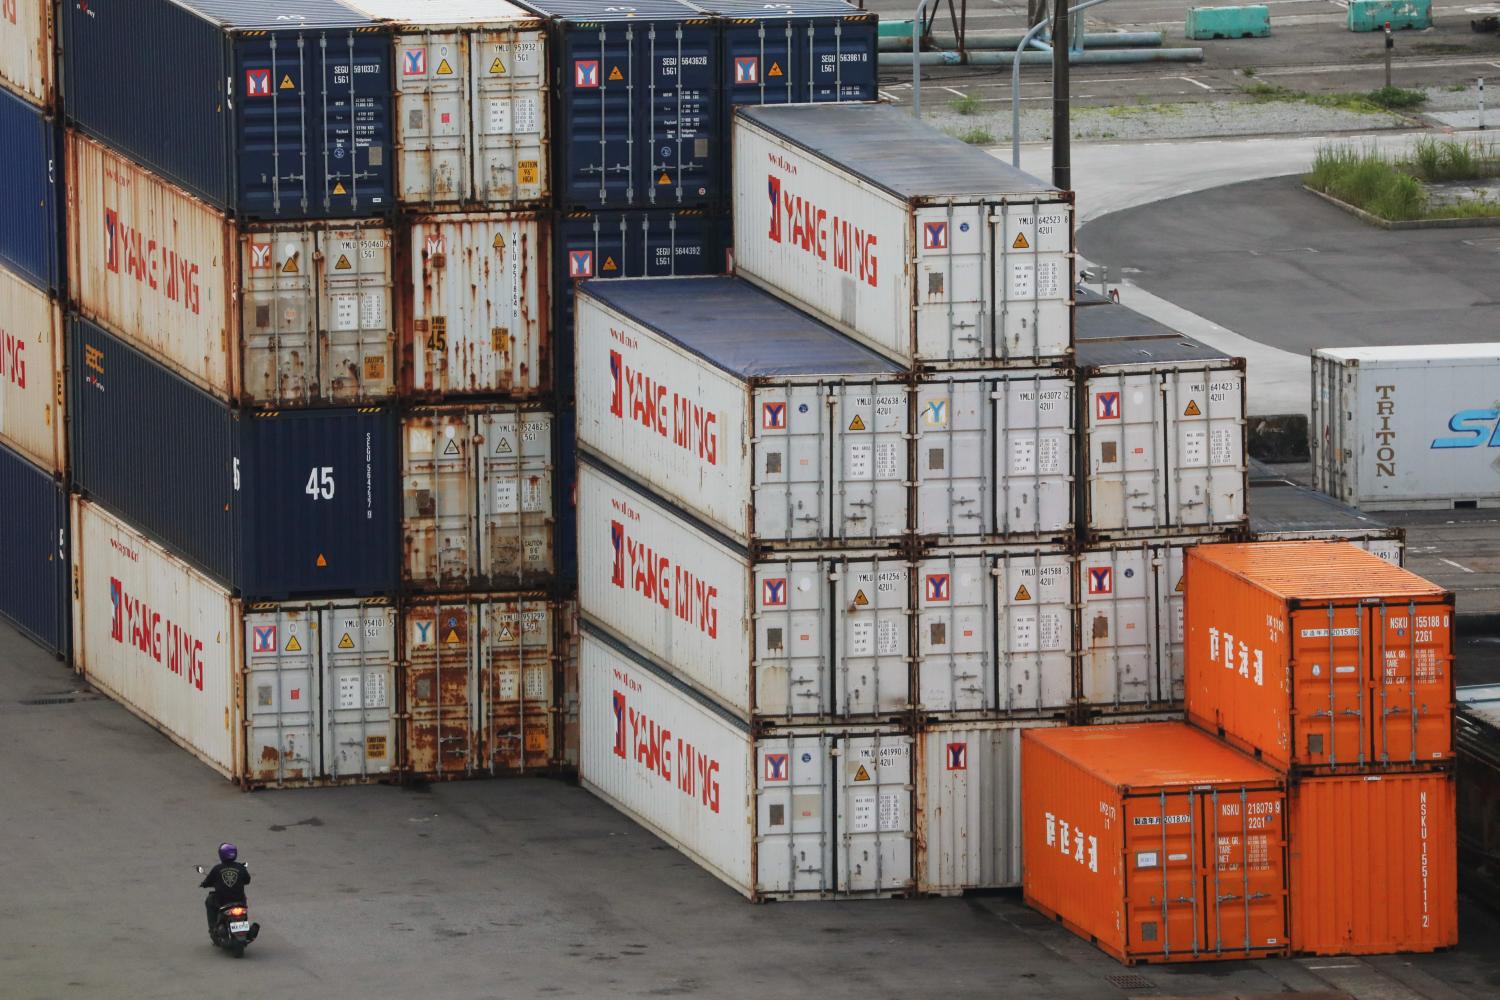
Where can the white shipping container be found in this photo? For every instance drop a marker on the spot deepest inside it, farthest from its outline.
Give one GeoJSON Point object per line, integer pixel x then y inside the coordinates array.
{"type": "Point", "coordinates": [802, 814]}
{"type": "Point", "coordinates": [290, 693]}
{"type": "Point", "coordinates": [1282, 511]}
{"type": "Point", "coordinates": [1399, 428]}
{"type": "Point", "coordinates": [1130, 625]}
{"type": "Point", "coordinates": [969, 805]}
{"type": "Point", "coordinates": [477, 492]}
{"type": "Point", "coordinates": [931, 251]}
{"type": "Point", "coordinates": [31, 373]}
{"type": "Point", "coordinates": [278, 314]}
{"type": "Point", "coordinates": [776, 429]}
{"type": "Point", "coordinates": [477, 305]}
{"type": "Point", "coordinates": [1165, 430]}
{"type": "Point", "coordinates": [471, 101]}
{"type": "Point", "coordinates": [28, 50]}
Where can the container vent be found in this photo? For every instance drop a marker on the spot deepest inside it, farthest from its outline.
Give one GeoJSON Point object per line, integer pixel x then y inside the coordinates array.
{"type": "Point", "coordinates": [1129, 981]}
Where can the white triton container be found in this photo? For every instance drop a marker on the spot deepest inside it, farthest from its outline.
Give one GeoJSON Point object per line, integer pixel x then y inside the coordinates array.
{"type": "Point", "coordinates": [471, 101]}
{"type": "Point", "coordinates": [476, 484]}
{"type": "Point", "coordinates": [933, 252]}
{"type": "Point", "coordinates": [475, 312]}
{"type": "Point", "coordinates": [1282, 511]}
{"type": "Point", "coordinates": [817, 813]}
{"type": "Point", "coordinates": [1164, 424]}
{"type": "Point", "coordinates": [28, 50]}
{"type": "Point", "coordinates": [282, 314]}
{"type": "Point", "coordinates": [287, 693]}
{"type": "Point", "coordinates": [479, 684]}
{"type": "Point", "coordinates": [31, 373]}
{"type": "Point", "coordinates": [969, 805]}
{"type": "Point", "coordinates": [1400, 428]}
{"type": "Point", "coordinates": [777, 429]}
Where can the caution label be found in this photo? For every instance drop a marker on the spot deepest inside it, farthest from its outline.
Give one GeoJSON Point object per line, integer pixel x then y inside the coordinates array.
{"type": "Point", "coordinates": [290, 267]}
{"type": "Point", "coordinates": [526, 172]}
{"type": "Point", "coordinates": [1022, 594]}
{"type": "Point", "coordinates": [664, 179]}
{"type": "Point", "coordinates": [444, 69]}
{"type": "Point", "coordinates": [287, 84]}
{"type": "Point", "coordinates": [1020, 242]}
{"type": "Point", "coordinates": [497, 68]}
{"type": "Point", "coordinates": [860, 600]}
{"type": "Point", "coordinates": [346, 642]}
{"type": "Point", "coordinates": [775, 69]}
{"type": "Point", "coordinates": [506, 633]}
{"type": "Point", "coordinates": [343, 264]}
{"type": "Point", "coordinates": [615, 74]}
{"type": "Point", "coordinates": [451, 448]}
{"type": "Point", "coordinates": [293, 646]}
{"type": "Point", "coordinates": [322, 562]}
{"type": "Point", "coordinates": [857, 424]}
{"type": "Point", "coordinates": [862, 774]}
{"type": "Point", "coordinates": [338, 188]}
{"type": "Point", "coordinates": [375, 747]}
{"type": "Point", "coordinates": [498, 243]}
{"type": "Point", "coordinates": [610, 265]}
{"type": "Point", "coordinates": [1191, 410]}
{"type": "Point", "coordinates": [503, 448]}
{"type": "Point", "coordinates": [1178, 588]}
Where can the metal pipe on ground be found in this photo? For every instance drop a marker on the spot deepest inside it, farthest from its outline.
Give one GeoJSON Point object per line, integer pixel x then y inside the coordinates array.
{"type": "Point", "coordinates": [1085, 58]}
{"type": "Point", "coordinates": [1102, 39]}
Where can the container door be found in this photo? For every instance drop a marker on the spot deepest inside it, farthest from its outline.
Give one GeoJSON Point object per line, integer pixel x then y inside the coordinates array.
{"type": "Point", "coordinates": [791, 455]}
{"type": "Point", "coordinates": [952, 296]}
{"type": "Point", "coordinates": [680, 147]}
{"type": "Point", "coordinates": [871, 671]}
{"type": "Point", "coordinates": [1035, 629]}
{"type": "Point", "coordinates": [1413, 674]}
{"type": "Point", "coordinates": [279, 158]}
{"type": "Point", "coordinates": [955, 481]}
{"type": "Point", "coordinates": [510, 117]}
{"type": "Point", "coordinates": [874, 814]}
{"type": "Point", "coordinates": [1171, 592]}
{"type": "Point", "coordinates": [1030, 273]}
{"type": "Point", "coordinates": [1205, 447]}
{"type": "Point", "coordinates": [352, 162]}
{"type": "Point", "coordinates": [355, 330]}
{"type": "Point", "coordinates": [794, 627]}
{"type": "Point", "coordinates": [514, 449]}
{"type": "Point", "coordinates": [598, 72]}
{"type": "Point", "coordinates": [440, 737]}
{"type": "Point", "coordinates": [955, 634]}
{"type": "Point", "coordinates": [869, 491]}
{"type": "Point", "coordinates": [970, 801]}
{"type": "Point", "coordinates": [842, 54]}
{"type": "Point", "coordinates": [359, 664]}
{"type": "Point", "coordinates": [1163, 877]}
{"type": "Point", "coordinates": [1127, 470]}
{"type": "Point", "coordinates": [433, 115]}
{"type": "Point", "coordinates": [794, 815]}
{"type": "Point", "coordinates": [279, 315]}
{"type": "Point", "coordinates": [515, 682]}
{"type": "Point", "coordinates": [762, 60]}
{"type": "Point", "coordinates": [1331, 653]}
{"type": "Point", "coordinates": [281, 694]}
{"type": "Point", "coordinates": [1245, 876]}
{"type": "Point", "coordinates": [438, 491]}
{"type": "Point", "coordinates": [1120, 630]}
{"type": "Point", "coordinates": [1032, 438]}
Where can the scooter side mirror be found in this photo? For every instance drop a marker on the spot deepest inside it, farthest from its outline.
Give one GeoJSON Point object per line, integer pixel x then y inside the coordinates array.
{"type": "Point", "coordinates": [198, 869]}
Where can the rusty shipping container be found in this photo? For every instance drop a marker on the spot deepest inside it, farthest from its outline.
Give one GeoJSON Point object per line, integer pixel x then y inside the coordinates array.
{"type": "Point", "coordinates": [475, 305]}
{"type": "Point", "coordinates": [280, 314]}
{"type": "Point", "coordinates": [478, 691]}
{"type": "Point", "coordinates": [31, 374]}
{"type": "Point", "coordinates": [1374, 863]}
{"type": "Point", "coordinates": [1155, 842]}
{"type": "Point", "coordinates": [477, 496]}
{"type": "Point", "coordinates": [28, 51]}
{"type": "Point", "coordinates": [1319, 655]}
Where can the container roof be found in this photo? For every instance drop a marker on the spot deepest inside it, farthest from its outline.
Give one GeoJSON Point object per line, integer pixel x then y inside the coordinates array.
{"type": "Point", "coordinates": [1152, 754]}
{"type": "Point", "coordinates": [882, 145]}
{"type": "Point", "coordinates": [761, 11]}
{"type": "Point", "coordinates": [1415, 352]}
{"type": "Point", "coordinates": [287, 15]}
{"type": "Point", "coordinates": [1481, 701]}
{"type": "Point", "coordinates": [737, 327]}
{"type": "Point", "coordinates": [1114, 335]}
{"type": "Point", "coordinates": [592, 11]}
{"type": "Point", "coordinates": [1283, 506]}
{"type": "Point", "coordinates": [1315, 571]}
{"type": "Point", "coordinates": [457, 13]}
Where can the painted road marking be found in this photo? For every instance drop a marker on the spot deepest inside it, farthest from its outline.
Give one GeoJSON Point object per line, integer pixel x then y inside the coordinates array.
{"type": "Point", "coordinates": [1188, 79]}
{"type": "Point", "coordinates": [1455, 565]}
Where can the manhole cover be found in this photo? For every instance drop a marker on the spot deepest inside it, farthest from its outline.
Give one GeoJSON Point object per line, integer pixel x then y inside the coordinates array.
{"type": "Point", "coordinates": [59, 699]}
{"type": "Point", "coordinates": [1129, 981]}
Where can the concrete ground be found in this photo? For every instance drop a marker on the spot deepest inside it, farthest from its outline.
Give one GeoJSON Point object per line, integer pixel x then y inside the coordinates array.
{"type": "Point", "coordinates": [507, 889]}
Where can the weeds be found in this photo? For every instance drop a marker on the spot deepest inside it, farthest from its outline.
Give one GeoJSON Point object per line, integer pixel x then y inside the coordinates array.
{"type": "Point", "coordinates": [1384, 99]}
{"type": "Point", "coordinates": [976, 137]}
{"type": "Point", "coordinates": [966, 105]}
{"type": "Point", "coordinates": [1397, 98]}
{"type": "Point", "coordinates": [1393, 189]}
{"type": "Point", "coordinates": [1248, 71]}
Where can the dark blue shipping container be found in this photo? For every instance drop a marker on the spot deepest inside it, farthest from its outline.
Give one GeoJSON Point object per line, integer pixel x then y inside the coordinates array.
{"type": "Point", "coordinates": [638, 121]}
{"type": "Point", "coordinates": [274, 504]}
{"type": "Point", "coordinates": [800, 52]}
{"type": "Point", "coordinates": [658, 244]}
{"type": "Point", "coordinates": [266, 110]}
{"type": "Point", "coordinates": [34, 568]}
{"type": "Point", "coordinates": [31, 211]}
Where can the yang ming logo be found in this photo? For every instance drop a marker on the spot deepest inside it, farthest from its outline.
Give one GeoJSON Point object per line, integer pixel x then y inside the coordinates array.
{"type": "Point", "coordinates": [1474, 427]}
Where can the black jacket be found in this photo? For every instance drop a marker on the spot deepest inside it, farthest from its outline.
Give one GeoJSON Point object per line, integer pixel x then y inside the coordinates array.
{"type": "Point", "coordinates": [228, 881]}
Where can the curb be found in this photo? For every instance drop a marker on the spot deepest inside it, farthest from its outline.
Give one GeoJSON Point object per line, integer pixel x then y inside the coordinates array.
{"type": "Point", "coordinates": [1404, 224]}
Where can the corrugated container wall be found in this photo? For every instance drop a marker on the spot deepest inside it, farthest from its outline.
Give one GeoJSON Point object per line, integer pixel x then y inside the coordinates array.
{"type": "Point", "coordinates": [31, 374]}
{"type": "Point", "coordinates": [1319, 656]}
{"type": "Point", "coordinates": [1130, 611]}
{"type": "Point", "coordinates": [31, 211]}
{"type": "Point", "coordinates": [1406, 427]}
{"type": "Point", "coordinates": [477, 491]}
{"type": "Point", "coordinates": [273, 504]}
{"type": "Point", "coordinates": [34, 539]}
{"type": "Point", "coordinates": [475, 307]}
{"type": "Point", "coordinates": [28, 51]}
{"type": "Point", "coordinates": [1374, 863]}
{"type": "Point", "coordinates": [285, 314]}
{"type": "Point", "coordinates": [303, 132]}
{"type": "Point", "coordinates": [471, 102]}
{"type": "Point", "coordinates": [931, 251]}
{"type": "Point", "coordinates": [638, 118]}
{"type": "Point", "coordinates": [1155, 842]}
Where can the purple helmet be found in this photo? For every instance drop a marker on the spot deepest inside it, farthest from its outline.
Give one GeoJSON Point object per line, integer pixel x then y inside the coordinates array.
{"type": "Point", "coordinates": [227, 853]}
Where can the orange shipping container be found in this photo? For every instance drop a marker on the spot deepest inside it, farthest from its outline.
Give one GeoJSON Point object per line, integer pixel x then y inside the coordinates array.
{"type": "Point", "coordinates": [1154, 841]}
{"type": "Point", "coordinates": [1374, 863]}
{"type": "Point", "coordinates": [1319, 656]}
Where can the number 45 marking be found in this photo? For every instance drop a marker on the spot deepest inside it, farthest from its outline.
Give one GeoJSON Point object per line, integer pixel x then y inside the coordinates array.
{"type": "Point", "coordinates": [320, 483]}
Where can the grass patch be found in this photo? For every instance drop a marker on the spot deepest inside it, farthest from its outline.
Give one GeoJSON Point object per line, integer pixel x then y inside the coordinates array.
{"type": "Point", "coordinates": [1456, 88]}
{"type": "Point", "coordinates": [1373, 102]}
{"type": "Point", "coordinates": [1248, 71]}
{"type": "Point", "coordinates": [1394, 190]}
{"type": "Point", "coordinates": [1397, 98]}
{"type": "Point", "coordinates": [975, 136]}
{"type": "Point", "coordinates": [966, 105]}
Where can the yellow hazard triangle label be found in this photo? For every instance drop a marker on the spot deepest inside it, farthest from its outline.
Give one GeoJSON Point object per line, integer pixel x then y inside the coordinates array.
{"type": "Point", "coordinates": [452, 637]}
{"type": "Point", "coordinates": [503, 448]}
{"type": "Point", "coordinates": [321, 561]}
{"type": "Point", "coordinates": [1178, 588]}
{"type": "Point", "coordinates": [610, 265]}
{"type": "Point", "coordinates": [444, 69]}
{"type": "Point", "coordinates": [862, 774]}
{"type": "Point", "coordinates": [287, 84]}
{"type": "Point", "coordinates": [506, 633]}
{"type": "Point", "coordinates": [293, 646]}
{"type": "Point", "coordinates": [615, 74]}
{"type": "Point", "coordinates": [499, 242]}
{"type": "Point", "coordinates": [664, 179]}
{"type": "Point", "coordinates": [1022, 594]}
{"type": "Point", "coordinates": [343, 264]}
{"type": "Point", "coordinates": [860, 600]}
{"type": "Point", "coordinates": [290, 267]}
{"type": "Point", "coordinates": [497, 67]}
{"type": "Point", "coordinates": [1192, 409]}
{"type": "Point", "coordinates": [857, 424]}
{"type": "Point", "coordinates": [1020, 242]}
{"type": "Point", "coordinates": [338, 188]}
{"type": "Point", "coordinates": [346, 642]}
{"type": "Point", "coordinates": [775, 69]}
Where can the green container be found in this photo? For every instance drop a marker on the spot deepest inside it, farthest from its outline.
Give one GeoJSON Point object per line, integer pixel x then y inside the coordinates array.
{"type": "Point", "coordinates": [1253, 21]}
{"type": "Point", "coordinates": [1371, 15]}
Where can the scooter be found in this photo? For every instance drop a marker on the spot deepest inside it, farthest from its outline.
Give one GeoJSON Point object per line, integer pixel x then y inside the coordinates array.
{"type": "Point", "coordinates": [232, 929]}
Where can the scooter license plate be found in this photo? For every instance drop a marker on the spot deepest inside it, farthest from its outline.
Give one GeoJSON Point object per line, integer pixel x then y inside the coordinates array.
{"type": "Point", "coordinates": [239, 925]}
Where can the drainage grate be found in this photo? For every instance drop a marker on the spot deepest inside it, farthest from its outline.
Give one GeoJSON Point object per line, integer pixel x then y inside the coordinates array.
{"type": "Point", "coordinates": [1129, 981]}
{"type": "Point", "coordinates": [60, 699]}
